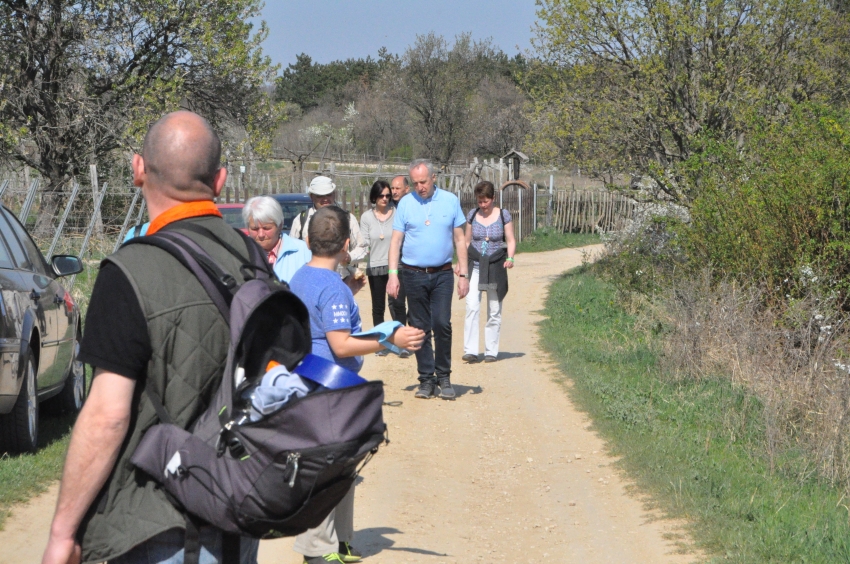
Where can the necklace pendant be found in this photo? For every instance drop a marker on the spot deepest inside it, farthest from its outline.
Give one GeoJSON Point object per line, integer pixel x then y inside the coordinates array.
{"type": "Point", "coordinates": [427, 222]}
{"type": "Point", "coordinates": [486, 238]}
{"type": "Point", "coordinates": [382, 235]}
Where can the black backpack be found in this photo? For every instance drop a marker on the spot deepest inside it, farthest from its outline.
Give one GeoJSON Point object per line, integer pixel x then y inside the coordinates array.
{"type": "Point", "coordinates": [284, 473]}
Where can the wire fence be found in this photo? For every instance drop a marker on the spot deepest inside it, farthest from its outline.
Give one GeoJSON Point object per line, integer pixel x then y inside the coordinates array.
{"type": "Point", "coordinates": [89, 217]}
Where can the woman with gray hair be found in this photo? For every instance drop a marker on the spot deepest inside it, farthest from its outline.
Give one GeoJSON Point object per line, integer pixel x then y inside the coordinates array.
{"type": "Point", "coordinates": [264, 220]}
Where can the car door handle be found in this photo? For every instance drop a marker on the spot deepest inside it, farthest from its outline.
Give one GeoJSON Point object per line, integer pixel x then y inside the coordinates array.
{"type": "Point", "coordinates": [35, 296]}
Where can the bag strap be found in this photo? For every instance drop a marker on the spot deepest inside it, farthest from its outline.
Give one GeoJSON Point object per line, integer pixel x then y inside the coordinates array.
{"type": "Point", "coordinates": [502, 215]}
{"type": "Point", "coordinates": [301, 218]}
{"type": "Point", "coordinates": [217, 283]}
{"type": "Point", "coordinates": [256, 258]}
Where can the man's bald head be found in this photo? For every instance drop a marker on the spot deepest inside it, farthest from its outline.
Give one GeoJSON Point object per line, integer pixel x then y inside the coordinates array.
{"type": "Point", "coordinates": [182, 155]}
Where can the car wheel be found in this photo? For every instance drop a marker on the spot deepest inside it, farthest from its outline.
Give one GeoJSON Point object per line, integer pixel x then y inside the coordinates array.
{"type": "Point", "coordinates": [72, 396]}
{"type": "Point", "coordinates": [19, 429]}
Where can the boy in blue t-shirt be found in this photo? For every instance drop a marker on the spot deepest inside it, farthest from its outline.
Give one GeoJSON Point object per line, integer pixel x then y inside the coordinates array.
{"type": "Point", "coordinates": [334, 316]}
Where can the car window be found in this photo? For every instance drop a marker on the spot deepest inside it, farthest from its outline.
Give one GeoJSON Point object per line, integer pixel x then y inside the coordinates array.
{"type": "Point", "coordinates": [233, 217]}
{"type": "Point", "coordinates": [11, 239]}
{"type": "Point", "coordinates": [34, 259]}
{"type": "Point", "coordinates": [290, 211]}
{"type": "Point", "coordinates": [5, 257]}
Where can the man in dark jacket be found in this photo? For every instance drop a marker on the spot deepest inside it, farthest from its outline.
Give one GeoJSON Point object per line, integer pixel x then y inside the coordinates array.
{"type": "Point", "coordinates": [151, 330]}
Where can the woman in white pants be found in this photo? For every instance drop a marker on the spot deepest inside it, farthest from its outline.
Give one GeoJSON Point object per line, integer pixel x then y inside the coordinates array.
{"type": "Point", "coordinates": [491, 246]}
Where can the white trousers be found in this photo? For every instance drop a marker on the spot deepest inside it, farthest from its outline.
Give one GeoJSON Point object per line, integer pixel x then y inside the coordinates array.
{"type": "Point", "coordinates": [470, 325]}
{"type": "Point", "coordinates": [337, 527]}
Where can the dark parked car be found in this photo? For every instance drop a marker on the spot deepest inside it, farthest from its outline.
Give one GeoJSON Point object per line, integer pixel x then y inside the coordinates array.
{"type": "Point", "coordinates": [40, 335]}
{"type": "Point", "coordinates": [232, 214]}
{"type": "Point", "coordinates": [292, 205]}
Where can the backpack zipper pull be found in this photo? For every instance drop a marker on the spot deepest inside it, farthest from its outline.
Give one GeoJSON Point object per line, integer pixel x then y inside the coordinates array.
{"type": "Point", "coordinates": [293, 458]}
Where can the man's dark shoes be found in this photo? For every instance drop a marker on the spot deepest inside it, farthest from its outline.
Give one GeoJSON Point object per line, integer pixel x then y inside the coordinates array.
{"type": "Point", "coordinates": [489, 358]}
{"type": "Point", "coordinates": [469, 357]}
{"type": "Point", "coordinates": [446, 390]}
{"type": "Point", "coordinates": [349, 553]}
{"type": "Point", "coordinates": [425, 391]}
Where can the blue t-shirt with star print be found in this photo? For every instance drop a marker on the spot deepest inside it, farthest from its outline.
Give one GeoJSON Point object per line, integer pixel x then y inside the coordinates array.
{"type": "Point", "coordinates": [332, 308]}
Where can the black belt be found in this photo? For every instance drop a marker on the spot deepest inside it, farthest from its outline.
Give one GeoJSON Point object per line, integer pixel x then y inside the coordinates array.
{"type": "Point", "coordinates": [428, 269]}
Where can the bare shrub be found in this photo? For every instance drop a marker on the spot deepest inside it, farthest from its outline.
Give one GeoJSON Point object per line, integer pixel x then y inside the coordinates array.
{"type": "Point", "coordinates": [792, 360]}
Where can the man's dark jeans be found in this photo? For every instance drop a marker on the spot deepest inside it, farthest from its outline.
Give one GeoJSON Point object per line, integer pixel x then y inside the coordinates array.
{"type": "Point", "coordinates": [429, 307]}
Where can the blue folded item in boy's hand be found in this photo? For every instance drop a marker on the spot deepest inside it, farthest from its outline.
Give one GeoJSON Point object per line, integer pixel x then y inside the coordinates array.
{"type": "Point", "coordinates": [384, 331]}
{"type": "Point", "coordinates": [277, 387]}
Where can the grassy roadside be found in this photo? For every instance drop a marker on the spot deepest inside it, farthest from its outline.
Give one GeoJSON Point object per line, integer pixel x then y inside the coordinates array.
{"type": "Point", "coordinates": [695, 446]}
{"type": "Point", "coordinates": [549, 240]}
{"type": "Point", "coordinates": [24, 476]}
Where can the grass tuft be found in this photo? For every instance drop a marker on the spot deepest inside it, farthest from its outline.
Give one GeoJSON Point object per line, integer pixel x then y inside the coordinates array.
{"type": "Point", "coordinates": [550, 240]}
{"type": "Point", "coordinates": [697, 445]}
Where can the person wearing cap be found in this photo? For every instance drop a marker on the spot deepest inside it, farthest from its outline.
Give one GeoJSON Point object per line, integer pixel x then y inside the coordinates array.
{"type": "Point", "coordinates": [322, 191]}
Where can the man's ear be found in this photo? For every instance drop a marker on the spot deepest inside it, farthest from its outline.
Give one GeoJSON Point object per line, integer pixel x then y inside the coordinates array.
{"type": "Point", "coordinates": [218, 181]}
{"type": "Point", "coordinates": [139, 173]}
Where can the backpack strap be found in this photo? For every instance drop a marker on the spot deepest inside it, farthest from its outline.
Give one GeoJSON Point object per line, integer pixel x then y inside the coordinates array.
{"type": "Point", "coordinates": [301, 217]}
{"type": "Point", "coordinates": [474, 213]}
{"type": "Point", "coordinates": [502, 215]}
{"type": "Point", "coordinates": [212, 277]}
{"type": "Point", "coordinates": [256, 256]}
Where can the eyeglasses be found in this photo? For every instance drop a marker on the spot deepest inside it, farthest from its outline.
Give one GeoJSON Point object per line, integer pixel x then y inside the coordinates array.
{"type": "Point", "coordinates": [382, 196]}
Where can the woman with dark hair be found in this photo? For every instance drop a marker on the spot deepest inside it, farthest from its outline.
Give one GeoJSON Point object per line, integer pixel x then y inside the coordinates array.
{"type": "Point", "coordinates": [491, 247]}
{"type": "Point", "coordinates": [376, 227]}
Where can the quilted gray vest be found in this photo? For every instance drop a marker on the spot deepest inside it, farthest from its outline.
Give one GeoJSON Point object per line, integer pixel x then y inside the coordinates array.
{"type": "Point", "coordinates": [189, 339]}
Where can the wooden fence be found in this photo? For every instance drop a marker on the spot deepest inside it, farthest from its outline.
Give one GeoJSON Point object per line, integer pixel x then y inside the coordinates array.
{"type": "Point", "coordinates": [587, 211]}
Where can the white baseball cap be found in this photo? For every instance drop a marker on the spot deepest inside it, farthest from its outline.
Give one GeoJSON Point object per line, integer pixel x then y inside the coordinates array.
{"type": "Point", "coordinates": [321, 186]}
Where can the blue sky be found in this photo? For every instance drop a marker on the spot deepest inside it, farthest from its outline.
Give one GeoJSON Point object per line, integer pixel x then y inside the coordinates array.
{"type": "Point", "coordinates": [329, 30]}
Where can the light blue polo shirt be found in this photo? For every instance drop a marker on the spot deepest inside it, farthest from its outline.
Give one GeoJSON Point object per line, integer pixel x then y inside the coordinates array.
{"type": "Point", "coordinates": [428, 245]}
{"type": "Point", "coordinates": [293, 255]}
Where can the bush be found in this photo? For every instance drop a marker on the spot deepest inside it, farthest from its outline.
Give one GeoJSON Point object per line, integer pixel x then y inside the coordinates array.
{"type": "Point", "coordinates": [777, 213]}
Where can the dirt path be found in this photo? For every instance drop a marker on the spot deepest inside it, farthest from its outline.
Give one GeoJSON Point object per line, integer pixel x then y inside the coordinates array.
{"type": "Point", "coordinates": [509, 471]}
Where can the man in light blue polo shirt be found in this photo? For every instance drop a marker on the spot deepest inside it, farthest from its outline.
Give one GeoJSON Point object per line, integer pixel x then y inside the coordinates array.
{"type": "Point", "coordinates": [427, 223]}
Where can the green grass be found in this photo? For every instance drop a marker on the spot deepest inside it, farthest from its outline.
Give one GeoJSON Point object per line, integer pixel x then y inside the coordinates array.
{"type": "Point", "coordinates": [26, 475]}
{"type": "Point", "coordinates": [698, 447]}
{"type": "Point", "coordinates": [550, 240]}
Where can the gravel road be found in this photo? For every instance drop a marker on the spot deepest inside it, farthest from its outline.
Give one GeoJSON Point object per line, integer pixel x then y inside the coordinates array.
{"type": "Point", "coordinates": [510, 471]}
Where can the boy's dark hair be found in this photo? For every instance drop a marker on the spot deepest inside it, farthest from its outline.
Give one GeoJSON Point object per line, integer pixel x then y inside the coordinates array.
{"type": "Point", "coordinates": [377, 188]}
{"type": "Point", "coordinates": [328, 231]}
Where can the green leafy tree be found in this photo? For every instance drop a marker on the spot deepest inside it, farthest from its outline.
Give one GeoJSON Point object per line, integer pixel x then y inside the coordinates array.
{"type": "Point", "coordinates": [82, 79]}
{"type": "Point", "coordinates": [778, 210]}
{"type": "Point", "coordinates": [627, 86]}
{"type": "Point", "coordinates": [438, 84]}
{"type": "Point", "coordinates": [306, 83]}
